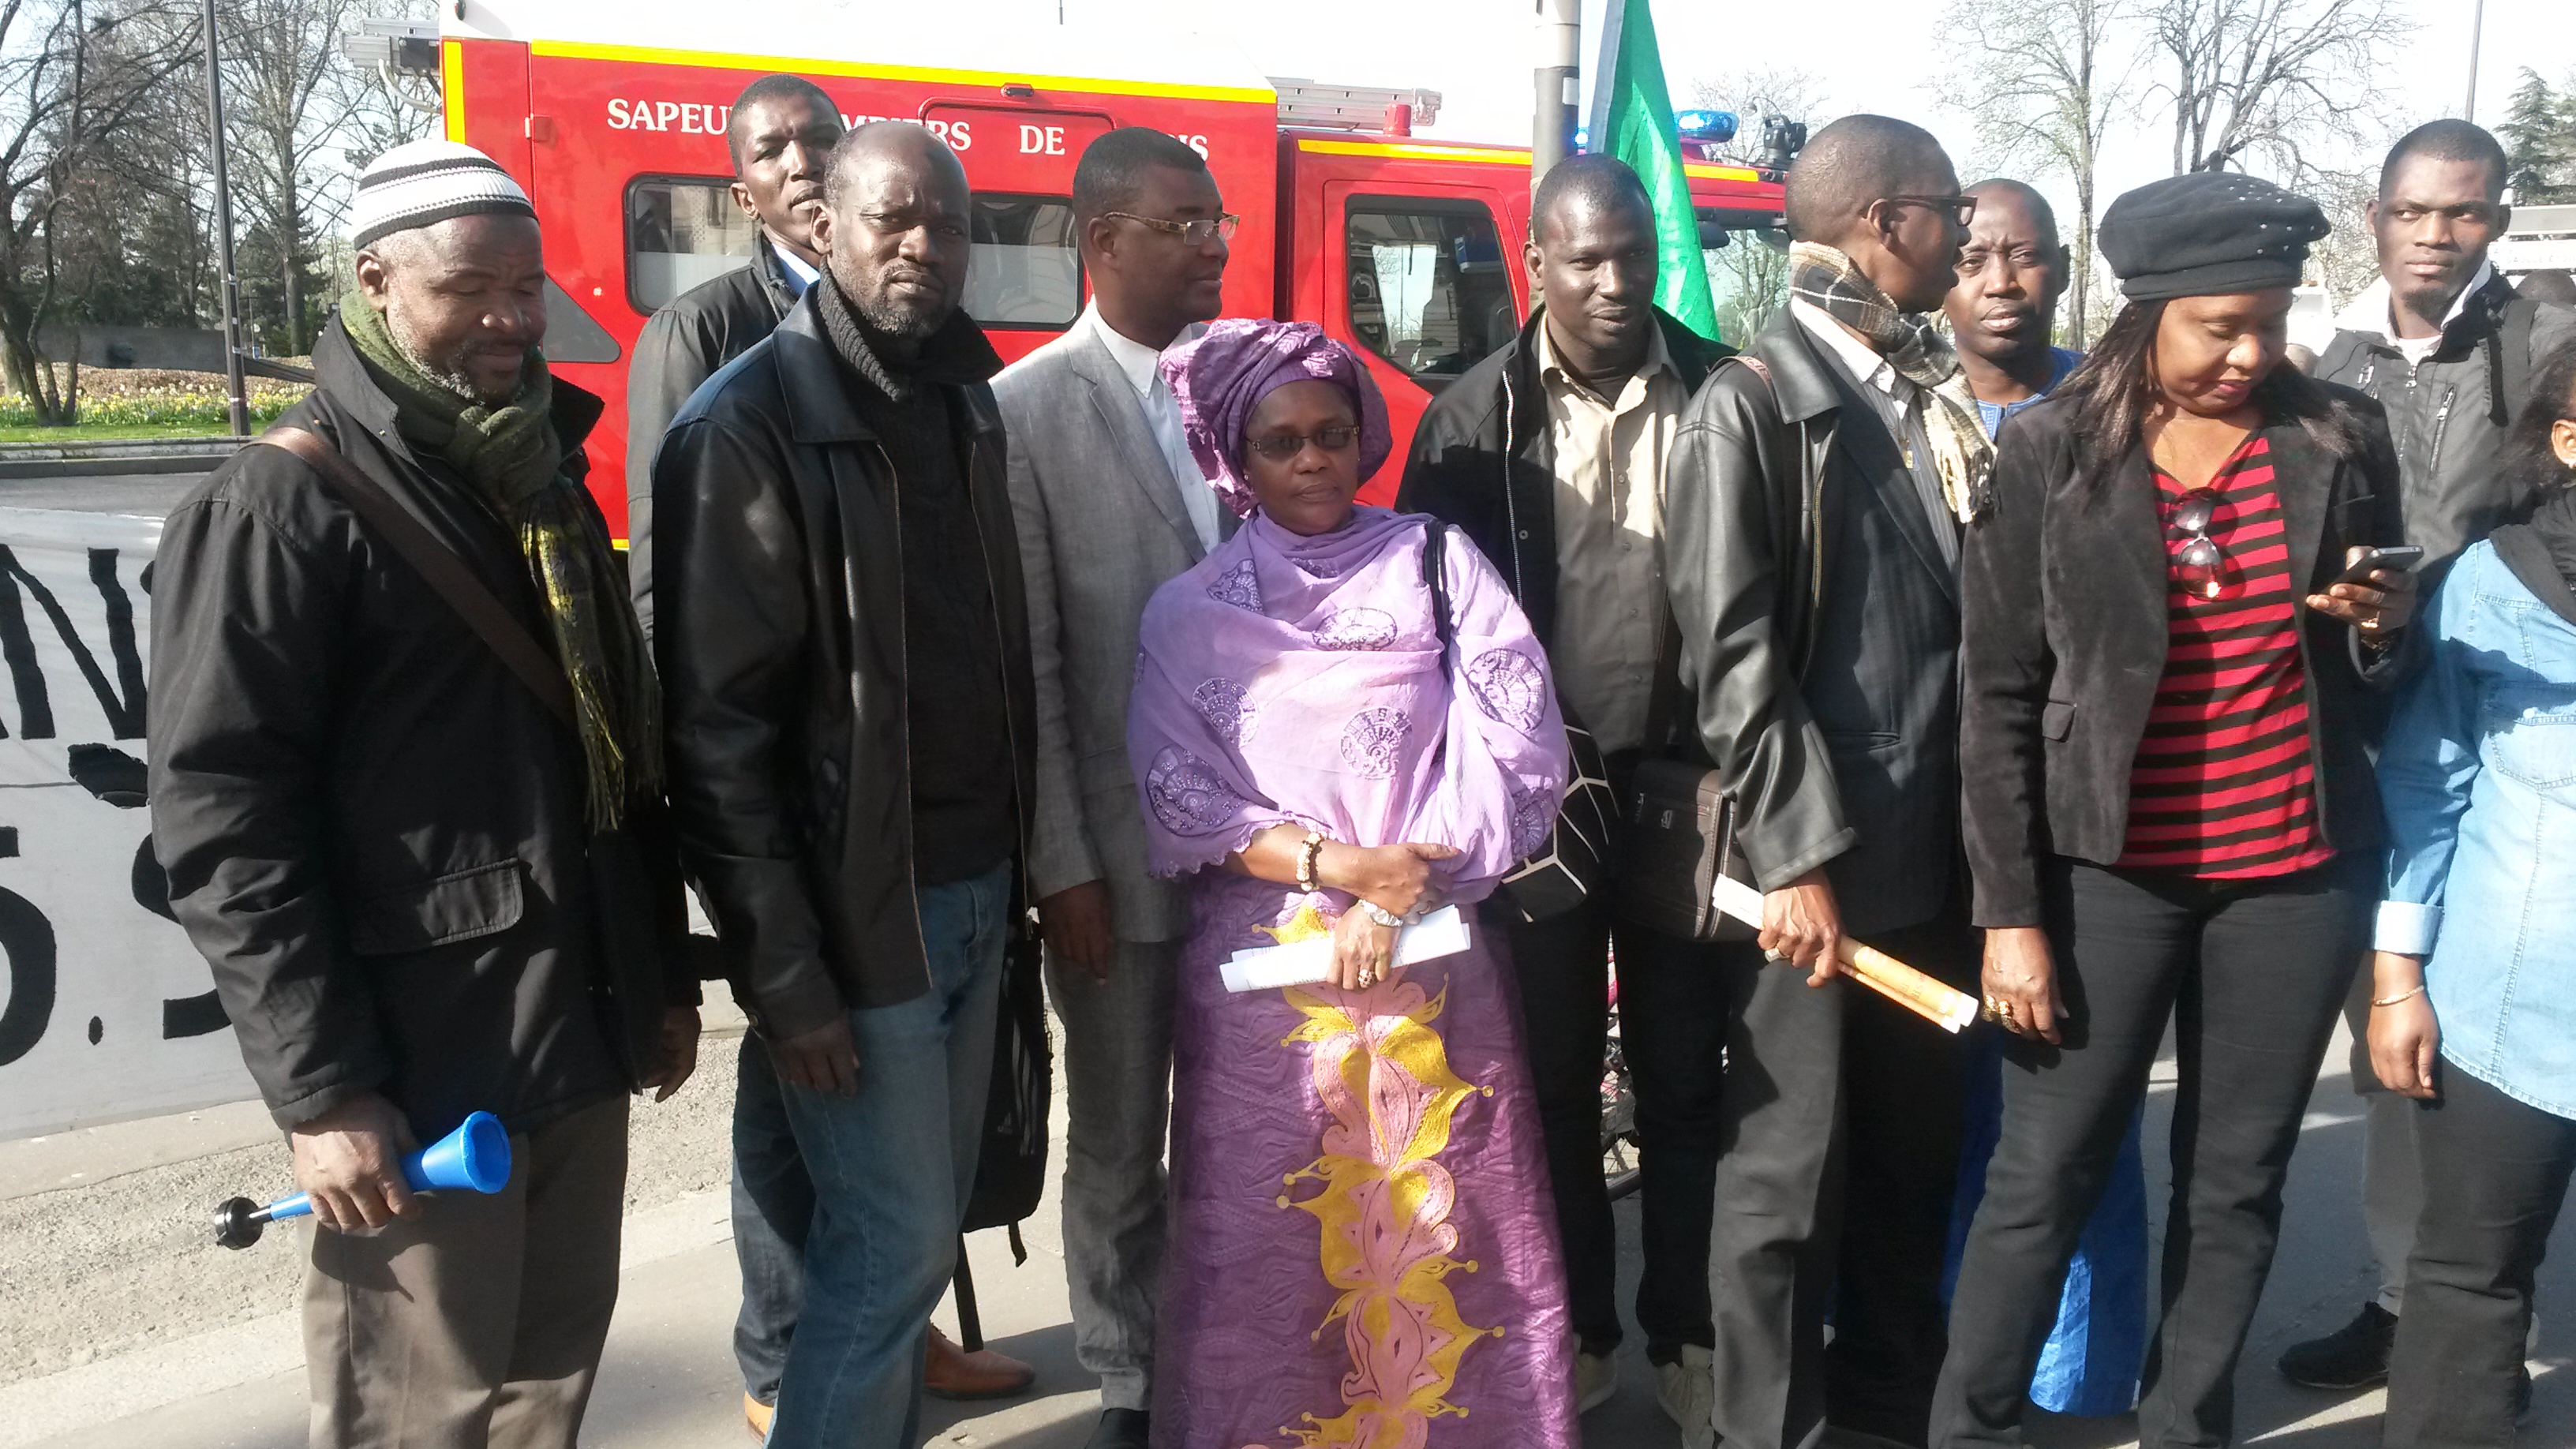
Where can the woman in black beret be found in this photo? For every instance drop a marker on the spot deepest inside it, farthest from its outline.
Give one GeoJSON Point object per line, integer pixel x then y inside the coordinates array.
{"type": "Point", "coordinates": [2169, 813]}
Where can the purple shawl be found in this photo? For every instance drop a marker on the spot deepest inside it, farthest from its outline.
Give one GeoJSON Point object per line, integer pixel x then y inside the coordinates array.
{"type": "Point", "coordinates": [1219, 378]}
{"type": "Point", "coordinates": [1300, 680]}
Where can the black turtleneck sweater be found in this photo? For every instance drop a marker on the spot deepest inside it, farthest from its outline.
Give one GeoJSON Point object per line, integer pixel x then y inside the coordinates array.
{"type": "Point", "coordinates": [964, 819]}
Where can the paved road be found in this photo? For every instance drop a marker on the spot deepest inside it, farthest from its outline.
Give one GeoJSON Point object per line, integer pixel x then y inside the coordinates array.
{"type": "Point", "coordinates": [118, 1264]}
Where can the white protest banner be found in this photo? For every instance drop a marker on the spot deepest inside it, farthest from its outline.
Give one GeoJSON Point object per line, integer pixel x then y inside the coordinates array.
{"type": "Point", "coordinates": [106, 1011]}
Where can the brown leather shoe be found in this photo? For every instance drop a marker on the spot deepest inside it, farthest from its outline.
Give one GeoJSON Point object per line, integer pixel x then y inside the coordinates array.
{"type": "Point", "coordinates": [953, 1373]}
{"type": "Point", "coordinates": [757, 1415]}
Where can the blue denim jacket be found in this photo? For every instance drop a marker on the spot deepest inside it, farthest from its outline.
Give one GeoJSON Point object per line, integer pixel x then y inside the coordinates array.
{"type": "Point", "coordinates": [2479, 780]}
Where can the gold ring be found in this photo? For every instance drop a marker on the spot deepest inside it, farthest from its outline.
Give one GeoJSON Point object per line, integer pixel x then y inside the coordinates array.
{"type": "Point", "coordinates": [1995, 1009]}
{"type": "Point", "coordinates": [1368, 977]}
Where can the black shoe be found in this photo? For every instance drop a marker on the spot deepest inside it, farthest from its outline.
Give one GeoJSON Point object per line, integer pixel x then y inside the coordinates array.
{"type": "Point", "coordinates": [1119, 1429]}
{"type": "Point", "coordinates": [2522, 1393]}
{"type": "Point", "coordinates": [2354, 1356]}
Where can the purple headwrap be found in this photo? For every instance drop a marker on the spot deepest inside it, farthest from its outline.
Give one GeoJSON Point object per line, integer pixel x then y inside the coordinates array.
{"type": "Point", "coordinates": [1219, 378]}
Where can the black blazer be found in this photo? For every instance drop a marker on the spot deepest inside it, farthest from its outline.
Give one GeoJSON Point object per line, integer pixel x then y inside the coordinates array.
{"type": "Point", "coordinates": [1819, 626]}
{"type": "Point", "coordinates": [2065, 587]}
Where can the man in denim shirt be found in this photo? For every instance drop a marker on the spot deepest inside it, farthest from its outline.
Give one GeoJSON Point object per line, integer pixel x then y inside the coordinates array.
{"type": "Point", "coordinates": [2004, 309]}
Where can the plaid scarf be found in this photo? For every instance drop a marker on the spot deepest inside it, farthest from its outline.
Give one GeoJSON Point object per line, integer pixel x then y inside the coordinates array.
{"type": "Point", "coordinates": [1824, 277]}
{"type": "Point", "coordinates": [511, 456]}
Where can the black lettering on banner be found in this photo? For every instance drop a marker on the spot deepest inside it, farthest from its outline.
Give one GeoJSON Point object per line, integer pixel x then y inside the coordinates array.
{"type": "Point", "coordinates": [28, 939]}
{"type": "Point", "coordinates": [123, 703]}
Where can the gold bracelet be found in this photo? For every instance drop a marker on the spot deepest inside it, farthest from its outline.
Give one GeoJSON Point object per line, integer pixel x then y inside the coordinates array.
{"type": "Point", "coordinates": [1307, 854]}
{"type": "Point", "coordinates": [2416, 990]}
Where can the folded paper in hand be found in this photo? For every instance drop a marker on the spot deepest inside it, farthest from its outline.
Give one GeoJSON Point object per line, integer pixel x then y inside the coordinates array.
{"type": "Point", "coordinates": [1303, 963]}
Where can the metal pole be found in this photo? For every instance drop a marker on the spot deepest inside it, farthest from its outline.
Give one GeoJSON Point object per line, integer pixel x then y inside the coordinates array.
{"type": "Point", "coordinates": [228, 285]}
{"type": "Point", "coordinates": [1557, 83]}
{"type": "Point", "coordinates": [2477, 29]}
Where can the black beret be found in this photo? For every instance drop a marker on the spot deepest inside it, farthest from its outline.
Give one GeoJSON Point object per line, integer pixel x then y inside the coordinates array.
{"type": "Point", "coordinates": [2206, 234]}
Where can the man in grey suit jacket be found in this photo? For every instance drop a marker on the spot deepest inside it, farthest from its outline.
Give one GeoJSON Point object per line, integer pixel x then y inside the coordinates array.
{"type": "Point", "coordinates": [1109, 505]}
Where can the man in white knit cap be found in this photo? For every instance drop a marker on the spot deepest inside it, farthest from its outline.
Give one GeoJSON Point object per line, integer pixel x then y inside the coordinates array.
{"type": "Point", "coordinates": [425, 877]}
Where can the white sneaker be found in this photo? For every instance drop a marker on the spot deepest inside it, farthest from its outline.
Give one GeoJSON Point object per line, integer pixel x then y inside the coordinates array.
{"type": "Point", "coordinates": [1687, 1389]}
{"type": "Point", "coordinates": [1596, 1381]}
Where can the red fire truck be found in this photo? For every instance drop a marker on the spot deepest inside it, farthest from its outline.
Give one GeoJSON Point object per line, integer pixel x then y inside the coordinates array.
{"type": "Point", "coordinates": [1405, 247]}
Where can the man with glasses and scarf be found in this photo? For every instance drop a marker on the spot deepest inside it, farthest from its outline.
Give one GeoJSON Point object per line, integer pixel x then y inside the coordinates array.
{"type": "Point", "coordinates": [1815, 504]}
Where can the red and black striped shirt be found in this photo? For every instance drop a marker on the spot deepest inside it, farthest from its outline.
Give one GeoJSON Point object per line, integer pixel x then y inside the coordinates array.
{"type": "Point", "coordinates": [2224, 784]}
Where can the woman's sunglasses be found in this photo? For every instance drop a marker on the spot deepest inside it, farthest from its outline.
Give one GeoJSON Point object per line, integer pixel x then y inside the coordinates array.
{"type": "Point", "coordinates": [1288, 445]}
{"type": "Point", "coordinates": [2200, 563]}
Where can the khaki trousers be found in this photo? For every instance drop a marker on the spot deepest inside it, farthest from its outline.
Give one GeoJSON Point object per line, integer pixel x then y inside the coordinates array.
{"type": "Point", "coordinates": [479, 1322]}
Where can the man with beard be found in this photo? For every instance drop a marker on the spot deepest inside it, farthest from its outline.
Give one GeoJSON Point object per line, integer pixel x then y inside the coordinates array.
{"type": "Point", "coordinates": [1815, 506]}
{"type": "Point", "coordinates": [844, 648]}
{"type": "Point", "coordinates": [1113, 479]}
{"type": "Point", "coordinates": [430, 881]}
{"type": "Point", "coordinates": [2443, 342]}
{"type": "Point", "coordinates": [781, 132]}
{"type": "Point", "coordinates": [1549, 455]}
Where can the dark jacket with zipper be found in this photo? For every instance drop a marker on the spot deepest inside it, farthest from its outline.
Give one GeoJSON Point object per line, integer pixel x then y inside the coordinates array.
{"type": "Point", "coordinates": [374, 831]}
{"type": "Point", "coordinates": [2067, 587]}
{"type": "Point", "coordinates": [1819, 632]}
{"type": "Point", "coordinates": [684, 344]}
{"type": "Point", "coordinates": [780, 597]}
{"type": "Point", "coordinates": [2448, 416]}
{"type": "Point", "coordinates": [1483, 460]}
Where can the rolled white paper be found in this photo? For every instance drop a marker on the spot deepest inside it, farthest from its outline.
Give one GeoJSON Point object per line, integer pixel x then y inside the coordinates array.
{"type": "Point", "coordinates": [1303, 963]}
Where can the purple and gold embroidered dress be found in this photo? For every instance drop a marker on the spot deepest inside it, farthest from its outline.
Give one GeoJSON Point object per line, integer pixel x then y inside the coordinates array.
{"type": "Point", "coordinates": [1362, 1247]}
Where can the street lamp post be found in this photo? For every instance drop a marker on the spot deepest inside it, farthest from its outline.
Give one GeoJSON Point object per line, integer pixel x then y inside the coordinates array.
{"type": "Point", "coordinates": [228, 284]}
{"type": "Point", "coordinates": [2477, 29]}
{"type": "Point", "coordinates": [1560, 25]}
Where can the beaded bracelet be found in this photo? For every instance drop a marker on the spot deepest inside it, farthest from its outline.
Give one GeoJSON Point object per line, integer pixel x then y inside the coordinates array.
{"type": "Point", "coordinates": [1307, 854]}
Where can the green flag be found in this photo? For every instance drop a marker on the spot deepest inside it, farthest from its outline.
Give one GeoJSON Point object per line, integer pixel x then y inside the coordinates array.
{"type": "Point", "coordinates": [1633, 120]}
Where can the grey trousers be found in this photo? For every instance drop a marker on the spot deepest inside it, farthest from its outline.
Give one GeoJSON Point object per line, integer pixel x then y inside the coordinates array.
{"type": "Point", "coordinates": [1772, 1245]}
{"type": "Point", "coordinates": [480, 1321]}
{"type": "Point", "coordinates": [1118, 1101]}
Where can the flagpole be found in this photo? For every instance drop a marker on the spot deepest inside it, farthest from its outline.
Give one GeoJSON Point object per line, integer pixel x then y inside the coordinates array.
{"type": "Point", "coordinates": [1560, 27]}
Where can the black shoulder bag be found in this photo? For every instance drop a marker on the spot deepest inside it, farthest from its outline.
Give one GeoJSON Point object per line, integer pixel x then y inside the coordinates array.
{"type": "Point", "coordinates": [1577, 860]}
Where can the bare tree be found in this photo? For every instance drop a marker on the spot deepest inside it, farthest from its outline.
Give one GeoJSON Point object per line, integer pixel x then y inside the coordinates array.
{"type": "Point", "coordinates": [296, 110]}
{"type": "Point", "coordinates": [2273, 78]}
{"type": "Point", "coordinates": [1750, 274]}
{"type": "Point", "coordinates": [2043, 79]}
{"type": "Point", "coordinates": [76, 80]}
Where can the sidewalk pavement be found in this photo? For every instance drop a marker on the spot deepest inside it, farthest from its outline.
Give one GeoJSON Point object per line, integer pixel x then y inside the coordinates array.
{"type": "Point", "coordinates": [177, 1381]}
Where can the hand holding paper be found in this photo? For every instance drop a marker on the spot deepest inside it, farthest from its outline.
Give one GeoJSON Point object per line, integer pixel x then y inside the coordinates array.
{"type": "Point", "coordinates": [1931, 999]}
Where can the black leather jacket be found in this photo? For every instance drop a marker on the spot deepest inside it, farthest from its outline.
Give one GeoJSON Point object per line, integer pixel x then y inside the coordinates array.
{"type": "Point", "coordinates": [683, 345]}
{"type": "Point", "coordinates": [1819, 632]}
{"type": "Point", "coordinates": [373, 831]}
{"type": "Point", "coordinates": [2065, 589]}
{"type": "Point", "coordinates": [779, 593]}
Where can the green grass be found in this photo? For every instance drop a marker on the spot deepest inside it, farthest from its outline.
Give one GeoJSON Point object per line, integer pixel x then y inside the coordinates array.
{"type": "Point", "coordinates": [99, 432]}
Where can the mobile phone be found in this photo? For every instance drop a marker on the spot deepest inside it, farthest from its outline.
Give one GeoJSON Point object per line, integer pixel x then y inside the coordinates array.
{"type": "Point", "coordinates": [2401, 557]}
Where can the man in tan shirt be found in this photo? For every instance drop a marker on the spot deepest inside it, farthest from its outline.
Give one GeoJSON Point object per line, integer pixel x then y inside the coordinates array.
{"type": "Point", "coordinates": [1549, 455]}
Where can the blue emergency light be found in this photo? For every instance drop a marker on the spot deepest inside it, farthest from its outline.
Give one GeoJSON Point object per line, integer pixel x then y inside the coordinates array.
{"type": "Point", "coordinates": [1713, 126]}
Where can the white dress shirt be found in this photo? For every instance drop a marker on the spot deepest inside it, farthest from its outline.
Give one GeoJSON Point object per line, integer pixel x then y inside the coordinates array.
{"type": "Point", "coordinates": [1141, 366]}
{"type": "Point", "coordinates": [799, 275]}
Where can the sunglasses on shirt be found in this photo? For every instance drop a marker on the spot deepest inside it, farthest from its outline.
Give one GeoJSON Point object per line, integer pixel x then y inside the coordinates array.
{"type": "Point", "coordinates": [2202, 566]}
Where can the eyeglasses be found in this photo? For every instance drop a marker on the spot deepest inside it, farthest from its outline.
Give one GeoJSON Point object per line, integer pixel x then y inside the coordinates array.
{"type": "Point", "coordinates": [1194, 233]}
{"type": "Point", "coordinates": [1963, 208]}
{"type": "Point", "coordinates": [1286, 446]}
{"type": "Point", "coordinates": [2201, 565]}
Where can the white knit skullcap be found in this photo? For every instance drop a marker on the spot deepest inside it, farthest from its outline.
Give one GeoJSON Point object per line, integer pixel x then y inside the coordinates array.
{"type": "Point", "coordinates": [423, 183]}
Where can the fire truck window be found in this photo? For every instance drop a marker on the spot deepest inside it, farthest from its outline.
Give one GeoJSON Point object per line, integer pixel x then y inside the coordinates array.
{"type": "Point", "coordinates": [680, 231]}
{"type": "Point", "coordinates": [1429, 288]}
{"type": "Point", "coordinates": [1026, 272]}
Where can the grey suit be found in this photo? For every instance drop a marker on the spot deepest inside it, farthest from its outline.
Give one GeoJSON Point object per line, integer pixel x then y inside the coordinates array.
{"type": "Point", "coordinates": [1101, 524]}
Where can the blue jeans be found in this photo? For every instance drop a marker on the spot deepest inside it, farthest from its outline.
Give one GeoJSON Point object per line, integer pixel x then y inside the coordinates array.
{"type": "Point", "coordinates": [892, 1165]}
{"type": "Point", "coordinates": [773, 1206]}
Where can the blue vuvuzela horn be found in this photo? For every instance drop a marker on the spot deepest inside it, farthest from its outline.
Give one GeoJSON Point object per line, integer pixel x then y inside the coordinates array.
{"type": "Point", "coordinates": [475, 1156]}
